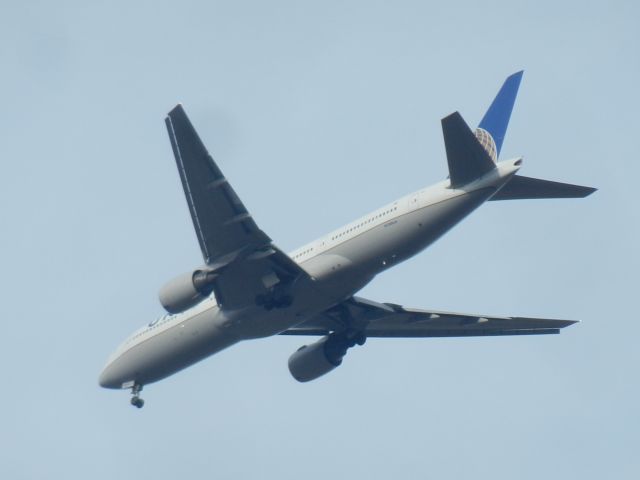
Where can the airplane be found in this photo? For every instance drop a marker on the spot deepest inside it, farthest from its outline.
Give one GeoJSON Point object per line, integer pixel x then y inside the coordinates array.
{"type": "Point", "coordinates": [248, 288]}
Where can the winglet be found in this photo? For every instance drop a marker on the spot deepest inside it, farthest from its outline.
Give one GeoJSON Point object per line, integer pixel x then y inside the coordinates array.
{"type": "Point", "coordinates": [496, 120]}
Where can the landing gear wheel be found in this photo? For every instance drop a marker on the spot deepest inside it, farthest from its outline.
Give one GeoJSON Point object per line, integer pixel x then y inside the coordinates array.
{"type": "Point", "coordinates": [285, 301]}
{"type": "Point", "coordinates": [269, 302]}
{"type": "Point", "coordinates": [136, 401]}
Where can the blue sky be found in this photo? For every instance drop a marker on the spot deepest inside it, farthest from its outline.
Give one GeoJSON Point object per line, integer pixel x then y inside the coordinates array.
{"type": "Point", "coordinates": [318, 112]}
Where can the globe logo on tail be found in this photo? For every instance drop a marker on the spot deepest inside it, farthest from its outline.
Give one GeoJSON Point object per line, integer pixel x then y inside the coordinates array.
{"type": "Point", "coordinates": [486, 140]}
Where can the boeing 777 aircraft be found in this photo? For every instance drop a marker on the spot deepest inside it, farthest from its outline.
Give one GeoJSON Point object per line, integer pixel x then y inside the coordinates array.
{"type": "Point", "coordinates": [248, 288]}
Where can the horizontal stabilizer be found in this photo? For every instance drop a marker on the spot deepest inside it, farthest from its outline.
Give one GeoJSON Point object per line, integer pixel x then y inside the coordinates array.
{"type": "Point", "coordinates": [467, 158]}
{"type": "Point", "coordinates": [520, 188]}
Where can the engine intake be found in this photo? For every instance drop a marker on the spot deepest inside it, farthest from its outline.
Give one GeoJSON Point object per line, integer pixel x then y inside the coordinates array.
{"type": "Point", "coordinates": [186, 290]}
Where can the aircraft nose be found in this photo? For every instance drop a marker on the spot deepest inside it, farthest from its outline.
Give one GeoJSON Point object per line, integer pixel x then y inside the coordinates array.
{"type": "Point", "coordinates": [109, 378]}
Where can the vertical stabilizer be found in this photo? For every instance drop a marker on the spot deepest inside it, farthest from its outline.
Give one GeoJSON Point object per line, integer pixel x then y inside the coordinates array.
{"type": "Point", "coordinates": [496, 120]}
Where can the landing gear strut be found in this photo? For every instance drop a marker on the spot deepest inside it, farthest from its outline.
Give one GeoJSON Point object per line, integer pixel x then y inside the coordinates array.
{"type": "Point", "coordinates": [136, 401]}
{"type": "Point", "coordinates": [337, 344]}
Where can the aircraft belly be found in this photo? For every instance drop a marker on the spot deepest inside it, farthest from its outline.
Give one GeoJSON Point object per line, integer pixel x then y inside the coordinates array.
{"type": "Point", "coordinates": [337, 276]}
{"type": "Point", "coordinates": [176, 348]}
{"type": "Point", "coordinates": [343, 270]}
{"type": "Point", "coordinates": [418, 229]}
{"type": "Point", "coordinates": [406, 235]}
{"type": "Point", "coordinates": [309, 298]}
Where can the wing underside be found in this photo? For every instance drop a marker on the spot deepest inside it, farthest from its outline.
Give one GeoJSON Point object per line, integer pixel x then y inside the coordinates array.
{"type": "Point", "coordinates": [243, 259]}
{"type": "Point", "coordinates": [394, 321]}
{"type": "Point", "coordinates": [222, 222]}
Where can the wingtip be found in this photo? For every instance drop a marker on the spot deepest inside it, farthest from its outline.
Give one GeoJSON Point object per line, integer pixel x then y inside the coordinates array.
{"type": "Point", "coordinates": [177, 108]}
{"type": "Point", "coordinates": [585, 191]}
{"type": "Point", "coordinates": [515, 79]}
{"type": "Point", "coordinates": [568, 323]}
{"type": "Point", "coordinates": [451, 116]}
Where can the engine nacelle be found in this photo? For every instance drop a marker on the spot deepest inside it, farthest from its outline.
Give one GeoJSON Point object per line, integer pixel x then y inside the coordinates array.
{"type": "Point", "coordinates": [312, 361]}
{"type": "Point", "coordinates": [186, 290]}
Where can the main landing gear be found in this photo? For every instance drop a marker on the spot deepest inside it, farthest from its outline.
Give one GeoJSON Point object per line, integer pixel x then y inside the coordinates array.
{"type": "Point", "coordinates": [338, 343]}
{"type": "Point", "coordinates": [271, 301]}
{"type": "Point", "coordinates": [136, 401]}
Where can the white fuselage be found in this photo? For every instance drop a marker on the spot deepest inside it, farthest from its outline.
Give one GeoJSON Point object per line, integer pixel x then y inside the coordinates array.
{"type": "Point", "coordinates": [340, 264]}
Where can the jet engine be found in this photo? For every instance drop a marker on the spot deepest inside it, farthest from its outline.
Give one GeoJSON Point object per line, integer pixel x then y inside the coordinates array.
{"type": "Point", "coordinates": [312, 361]}
{"type": "Point", "coordinates": [186, 290]}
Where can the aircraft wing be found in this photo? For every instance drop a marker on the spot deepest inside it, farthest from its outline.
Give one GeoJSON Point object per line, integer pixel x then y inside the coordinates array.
{"type": "Point", "coordinates": [390, 320]}
{"type": "Point", "coordinates": [242, 257]}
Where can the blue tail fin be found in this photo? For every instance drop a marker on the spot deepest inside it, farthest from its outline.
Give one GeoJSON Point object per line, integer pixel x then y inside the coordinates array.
{"type": "Point", "coordinates": [496, 120]}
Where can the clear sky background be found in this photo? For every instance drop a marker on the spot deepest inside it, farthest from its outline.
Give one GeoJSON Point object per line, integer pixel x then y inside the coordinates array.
{"type": "Point", "coordinates": [318, 112]}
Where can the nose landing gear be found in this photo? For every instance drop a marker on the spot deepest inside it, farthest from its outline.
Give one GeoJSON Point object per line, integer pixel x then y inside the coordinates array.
{"type": "Point", "coordinates": [136, 401]}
